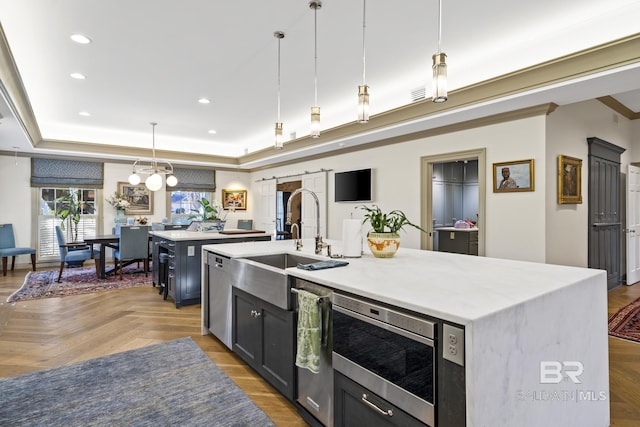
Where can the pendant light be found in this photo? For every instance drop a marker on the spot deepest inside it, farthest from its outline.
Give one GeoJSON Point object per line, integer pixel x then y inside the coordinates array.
{"type": "Point", "coordinates": [363, 89]}
{"type": "Point", "coordinates": [155, 172]}
{"type": "Point", "coordinates": [439, 66]}
{"type": "Point", "coordinates": [315, 110]}
{"type": "Point", "coordinates": [278, 130]}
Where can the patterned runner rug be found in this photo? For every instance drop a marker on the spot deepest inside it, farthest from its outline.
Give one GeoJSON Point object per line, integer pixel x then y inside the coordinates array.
{"type": "Point", "coordinates": [79, 280]}
{"type": "Point", "coordinates": [168, 384]}
{"type": "Point", "coordinates": [626, 322]}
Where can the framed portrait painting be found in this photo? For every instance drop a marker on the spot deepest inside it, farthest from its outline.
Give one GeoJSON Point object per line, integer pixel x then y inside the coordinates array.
{"type": "Point", "coordinates": [569, 180]}
{"type": "Point", "coordinates": [234, 199]}
{"type": "Point", "coordinates": [513, 176]}
{"type": "Point", "coordinates": [140, 197]}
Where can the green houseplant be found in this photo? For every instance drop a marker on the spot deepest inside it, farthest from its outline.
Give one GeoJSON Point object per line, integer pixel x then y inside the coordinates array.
{"type": "Point", "coordinates": [384, 240]}
{"type": "Point", "coordinates": [210, 215]}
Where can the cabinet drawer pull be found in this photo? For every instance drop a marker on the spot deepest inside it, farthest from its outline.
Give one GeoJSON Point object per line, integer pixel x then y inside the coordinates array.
{"type": "Point", "coordinates": [255, 313]}
{"type": "Point", "coordinates": [387, 413]}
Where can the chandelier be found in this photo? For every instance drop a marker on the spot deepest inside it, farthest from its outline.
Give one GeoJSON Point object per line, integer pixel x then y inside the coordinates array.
{"type": "Point", "coordinates": [153, 170]}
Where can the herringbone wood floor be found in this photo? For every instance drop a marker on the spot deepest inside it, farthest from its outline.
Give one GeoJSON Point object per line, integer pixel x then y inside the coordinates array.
{"type": "Point", "coordinates": [44, 333]}
{"type": "Point", "coordinates": [51, 332]}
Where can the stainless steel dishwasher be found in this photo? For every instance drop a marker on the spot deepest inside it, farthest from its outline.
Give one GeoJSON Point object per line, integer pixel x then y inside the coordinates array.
{"type": "Point", "coordinates": [315, 391]}
{"type": "Point", "coordinates": [219, 286]}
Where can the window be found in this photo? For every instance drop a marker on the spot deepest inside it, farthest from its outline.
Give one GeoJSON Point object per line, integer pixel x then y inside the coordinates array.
{"type": "Point", "coordinates": [52, 200]}
{"type": "Point", "coordinates": [185, 204]}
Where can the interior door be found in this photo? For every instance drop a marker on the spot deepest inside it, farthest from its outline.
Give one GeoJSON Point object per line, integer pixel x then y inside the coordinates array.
{"type": "Point", "coordinates": [633, 225]}
{"type": "Point", "coordinates": [268, 206]}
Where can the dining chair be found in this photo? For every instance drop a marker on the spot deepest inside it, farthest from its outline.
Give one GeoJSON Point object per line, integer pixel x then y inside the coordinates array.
{"type": "Point", "coordinates": [245, 224]}
{"type": "Point", "coordinates": [74, 254]}
{"type": "Point", "coordinates": [133, 245]}
{"type": "Point", "coordinates": [8, 248]}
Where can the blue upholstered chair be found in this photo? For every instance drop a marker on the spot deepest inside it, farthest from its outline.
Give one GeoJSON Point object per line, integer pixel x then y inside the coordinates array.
{"type": "Point", "coordinates": [133, 246]}
{"type": "Point", "coordinates": [8, 248]}
{"type": "Point", "coordinates": [74, 254]}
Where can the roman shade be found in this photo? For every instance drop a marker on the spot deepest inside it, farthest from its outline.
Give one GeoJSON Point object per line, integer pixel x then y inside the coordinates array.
{"type": "Point", "coordinates": [194, 180]}
{"type": "Point", "coordinates": [66, 173]}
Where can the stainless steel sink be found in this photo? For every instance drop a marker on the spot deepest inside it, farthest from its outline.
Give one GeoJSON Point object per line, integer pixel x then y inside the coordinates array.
{"type": "Point", "coordinates": [264, 276]}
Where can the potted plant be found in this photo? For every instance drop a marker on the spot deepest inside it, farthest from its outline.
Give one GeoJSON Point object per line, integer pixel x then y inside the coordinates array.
{"type": "Point", "coordinates": [384, 240]}
{"type": "Point", "coordinates": [210, 215]}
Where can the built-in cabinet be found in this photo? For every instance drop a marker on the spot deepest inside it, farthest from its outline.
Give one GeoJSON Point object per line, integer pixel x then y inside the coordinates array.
{"type": "Point", "coordinates": [264, 337]}
{"type": "Point", "coordinates": [185, 263]}
{"type": "Point", "coordinates": [354, 405]}
{"type": "Point", "coordinates": [459, 241]}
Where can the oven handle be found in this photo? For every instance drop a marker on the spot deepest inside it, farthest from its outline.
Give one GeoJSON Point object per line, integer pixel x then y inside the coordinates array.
{"type": "Point", "coordinates": [365, 399]}
{"type": "Point", "coordinates": [384, 325]}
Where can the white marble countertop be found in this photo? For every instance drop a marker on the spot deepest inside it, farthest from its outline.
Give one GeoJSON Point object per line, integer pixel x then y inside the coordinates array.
{"type": "Point", "coordinates": [177, 235]}
{"type": "Point", "coordinates": [458, 288]}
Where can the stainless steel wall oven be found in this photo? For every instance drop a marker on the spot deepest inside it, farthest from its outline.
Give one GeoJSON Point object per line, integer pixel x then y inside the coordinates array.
{"type": "Point", "coordinates": [396, 355]}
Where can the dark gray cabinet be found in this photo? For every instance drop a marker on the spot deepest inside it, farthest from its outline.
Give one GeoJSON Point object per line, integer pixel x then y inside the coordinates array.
{"type": "Point", "coordinates": [264, 337]}
{"type": "Point", "coordinates": [185, 264]}
{"type": "Point", "coordinates": [605, 226]}
{"type": "Point", "coordinates": [355, 405]}
{"type": "Point", "coordinates": [458, 241]}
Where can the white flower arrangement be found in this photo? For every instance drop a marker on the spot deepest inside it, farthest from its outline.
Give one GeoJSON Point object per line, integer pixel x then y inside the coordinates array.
{"type": "Point", "coordinates": [118, 201]}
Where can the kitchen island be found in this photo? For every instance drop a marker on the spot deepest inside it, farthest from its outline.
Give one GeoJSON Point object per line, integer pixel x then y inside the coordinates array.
{"type": "Point", "coordinates": [535, 335]}
{"type": "Point", "coordinates": [183, 251]}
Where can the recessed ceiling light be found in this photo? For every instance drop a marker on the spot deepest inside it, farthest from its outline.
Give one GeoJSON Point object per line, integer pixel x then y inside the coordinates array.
{"type": "Point", "coordinates": [203, 101]}
{"type": "Point", "coordinates": [212, 131]}
{"type": "Point", "coordinates": [84, 113]}
{"type": "Point", "coordinates": [79, 38]}
{"type": "Point", "coordinates": [78, 76]}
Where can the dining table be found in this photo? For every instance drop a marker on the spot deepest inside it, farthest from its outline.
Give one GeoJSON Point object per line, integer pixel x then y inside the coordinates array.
{"type": "Point", "coordinates": [104, 240]}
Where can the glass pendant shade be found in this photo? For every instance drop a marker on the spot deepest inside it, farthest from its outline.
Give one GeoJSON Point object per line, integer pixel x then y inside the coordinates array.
{"type": "Point", "coordinates": [315, 122]}
{"type": "Point", "coordinates": [439, 77]}
{"type": "Point", "coordinates": [172, 181]}
{"type": "Point", "coordinates": [279, 138]}
{"type": "Point", "coordinates": [134, 179]}
{"type": "Point", "coordinates": [363, 104]}
{"type": "Point", "coordinates": [153, 182]}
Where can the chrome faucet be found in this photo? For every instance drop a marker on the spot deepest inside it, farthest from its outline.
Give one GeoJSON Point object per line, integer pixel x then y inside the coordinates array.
{"type": "Point", "coordinates": [297, 239]}
{"type": "Point", "coordinates": [319, 243]}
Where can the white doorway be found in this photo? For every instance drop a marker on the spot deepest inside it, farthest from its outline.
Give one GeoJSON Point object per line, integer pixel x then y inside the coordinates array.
{"type": "Point", "coordinates": [426, 193]}
{"type": "Point", "coordinates": [633, 225]}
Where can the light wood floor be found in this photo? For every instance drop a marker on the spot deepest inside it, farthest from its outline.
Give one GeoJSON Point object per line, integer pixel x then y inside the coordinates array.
{"type": "Point", "coordinates": [51, 332]}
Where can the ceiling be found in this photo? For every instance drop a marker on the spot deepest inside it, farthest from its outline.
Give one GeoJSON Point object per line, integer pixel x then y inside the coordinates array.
{"type": "Point", "coordinates": [151, 60]}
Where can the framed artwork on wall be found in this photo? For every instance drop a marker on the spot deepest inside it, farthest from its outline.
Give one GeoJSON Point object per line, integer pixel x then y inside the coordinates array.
{"type": "Point", "coordinates": [234, 199]}
{"type": "Point", "coordinates": [513, 176]}
{"type": "Point", "coordinates": [140, 197]}
{"type": "Point", "coordinates": [569, 180]}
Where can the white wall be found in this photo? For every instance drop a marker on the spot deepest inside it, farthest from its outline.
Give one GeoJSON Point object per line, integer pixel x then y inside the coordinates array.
{"type": "Point", "coordinates": [15, 201]}
{"type": "Point", "coordinates": [515, 221]}
{"type": "Point", "coordinates": [567, 131]}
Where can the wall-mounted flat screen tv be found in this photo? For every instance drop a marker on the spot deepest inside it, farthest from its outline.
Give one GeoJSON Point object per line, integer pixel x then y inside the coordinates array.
{"type": "Point", "coordinates": [353, 186]}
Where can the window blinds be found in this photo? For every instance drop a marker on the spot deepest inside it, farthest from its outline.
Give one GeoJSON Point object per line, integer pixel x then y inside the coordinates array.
{"type": "Point", "coordinates": [194, 180]}
{"type": "Point", "coordinates": [66, 173]}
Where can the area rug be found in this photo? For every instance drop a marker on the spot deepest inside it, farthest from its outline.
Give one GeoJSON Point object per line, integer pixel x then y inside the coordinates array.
{"type": "Point", "coordinates": [626, 322]}
{"type": "Point", "coordinates": [79, 280]}
{"type": "Point", "coordinates": [168, 384]}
